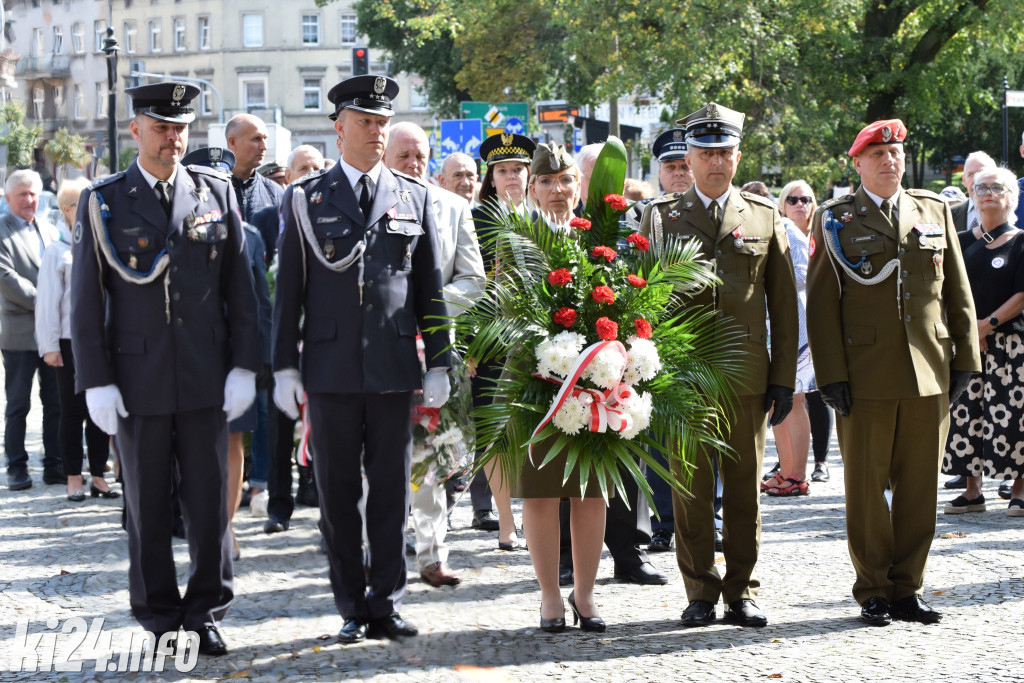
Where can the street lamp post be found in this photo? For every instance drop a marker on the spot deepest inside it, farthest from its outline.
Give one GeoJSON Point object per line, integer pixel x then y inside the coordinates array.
{"type": "Point", "coordinates": [111, 49]}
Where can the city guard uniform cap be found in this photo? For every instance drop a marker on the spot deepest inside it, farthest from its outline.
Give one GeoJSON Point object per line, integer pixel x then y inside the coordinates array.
{"type": "Point", "coordinates": [165, 101]}
{"type": "Point", "coordinates": [885, 132]}
{"type": "Point", "coordinates": [211, 157]}
{"type": "Point", "coordinates": [713, 126]}
{"type": "Point", "coordinates": [507, 147]}
{"type": "Point", "coordinates": [369, 94]}
{"type": "Point", "coordinates": [670, 145]}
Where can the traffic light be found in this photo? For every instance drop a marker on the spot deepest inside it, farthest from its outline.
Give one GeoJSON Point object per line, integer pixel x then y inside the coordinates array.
{"type": "Point", "coordinates": [360, 61]}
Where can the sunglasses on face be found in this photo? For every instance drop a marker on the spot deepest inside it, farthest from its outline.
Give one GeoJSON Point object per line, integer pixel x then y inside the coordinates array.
{"type": "Point", "coordinates": [995, 190]}
{"type": "Point", "coordinates": [793, 201]}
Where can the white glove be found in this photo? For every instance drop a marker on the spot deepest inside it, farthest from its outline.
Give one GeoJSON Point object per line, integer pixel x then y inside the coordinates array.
{"type": "Point", "coordinates": [239, 392]}
{"type": "Point", "coordinates": [288, 392]}
{"type": "Point", "coordinates": [436, 388]}
{"type": "Point", "coordinates": [105, 404]}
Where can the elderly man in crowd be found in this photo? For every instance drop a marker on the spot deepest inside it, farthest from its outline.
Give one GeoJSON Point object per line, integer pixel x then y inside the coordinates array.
{"type": "Point", "coordinates": [302, 160]}
{"type": "Point", "coordinates": [23, 238]}
{"type": "Point", "coordinates": [459, 174]}
{"type": "Point", "coordinates": [462, 275]}
{"type": "Point", "coordinates": [247, 140]}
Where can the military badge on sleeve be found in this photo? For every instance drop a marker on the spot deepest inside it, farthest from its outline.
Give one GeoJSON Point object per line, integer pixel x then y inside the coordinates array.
{"type": "Point", "coordinates": [78, 232]}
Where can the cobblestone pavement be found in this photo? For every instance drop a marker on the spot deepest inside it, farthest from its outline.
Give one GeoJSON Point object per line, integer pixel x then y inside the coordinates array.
{"type": "Point", "coordinates": [63, 560]}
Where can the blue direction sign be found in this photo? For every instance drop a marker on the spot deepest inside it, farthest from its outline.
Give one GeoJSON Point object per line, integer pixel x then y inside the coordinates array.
{"type": "Point", "coordinates": [462, 135]}
{"type": "Point", "coordinates": [577, 139]}
{"type": "Point", "coordinates": [514, 125]}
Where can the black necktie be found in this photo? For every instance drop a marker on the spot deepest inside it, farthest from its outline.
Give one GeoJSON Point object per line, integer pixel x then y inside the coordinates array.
{"type": "Point", "coordinates": [364, 196]}
{"type": "Point", "coordinates": [164, 190]}
{"type": "Point", "coordinates": [716, 214]}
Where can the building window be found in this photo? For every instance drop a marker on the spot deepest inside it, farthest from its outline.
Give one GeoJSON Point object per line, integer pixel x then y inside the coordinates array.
{"type": "Point", "coordinates": [130, 29]}
{"type": "Point", "coordinates": [101, 99]}
{"type": "Point", "coordinates": [204, 33]}
{"type": "Point", "coordinates": [78, 104]}
{"type": "Point", "coordinates": [100, 29]}
{"type": "Point", "coordinates": [252, 30]}
{"type": "Point", "coordinates": [38, 42]}
{"type": "Point", "coordinates": [156, 41]}
{"type": "Point", "coordinates": [348, 28]}
{"type": "Point", "coordinates": [311, 94]}
{"type": "Point", "coordinates": [38, 102]}
{"type": "Point", "coordinates": [78, 37]}
{"type": "Point", "coordinates": [310, 29]}
{"type": "Point", "coordinates": [254, 93]}
{"type": "Point", "coordinates": [58, 40]}
{"type": "Point", "coordinates": [179, 35]}
{"type": "Point", "coordinates": [204, 100]}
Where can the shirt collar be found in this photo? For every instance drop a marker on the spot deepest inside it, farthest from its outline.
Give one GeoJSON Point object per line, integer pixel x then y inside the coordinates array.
{"type": "Point", "coordinates": [354, 174]}
{"type": "Point", "coordinates": [706, 200]}
{"type": "Point", "coordinates": [152, 179]}
{"type": "Point", "coordinates": [895, 199]}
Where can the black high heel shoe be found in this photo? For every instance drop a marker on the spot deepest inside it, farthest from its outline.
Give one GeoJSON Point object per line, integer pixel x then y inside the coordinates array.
{"type": "Point", "coordinates": [94, 492]}
{"type": "Point", "coordinates": [76, 497]}
{"type": "Point", "coordinates": [586, 623]}
{"type": "Point", "coordinates": [556, 625]}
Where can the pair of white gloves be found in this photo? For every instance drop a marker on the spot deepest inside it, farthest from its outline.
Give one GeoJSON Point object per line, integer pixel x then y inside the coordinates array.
{"type": "Point", "coordinates": [289, 394]}
{"type": "Point", "coordinates": [105, 403]}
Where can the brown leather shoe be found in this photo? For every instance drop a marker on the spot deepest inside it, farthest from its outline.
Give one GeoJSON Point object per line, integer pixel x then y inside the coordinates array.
{"type": "Point", "coordinates": [440, 574]}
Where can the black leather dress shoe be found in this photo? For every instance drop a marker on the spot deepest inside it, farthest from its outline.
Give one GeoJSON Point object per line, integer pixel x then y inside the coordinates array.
{"type": "Point", "coordinates": [913, 609]}
{"type": "Point", "coordinates": [484, 520]}
{"type": "Point", "coordinates": [957, 482]}
{"type": "Point", "coordinates": [392, 626]}
{"type": "Point", "coordinates": [661, 541]}
{"type": "Point", "coordinates": [353, 631]}
{"type": "Point", "coordinates": [698, 613]}
{"type": "Point", "coordinates": [875, 611]}
{"type": "Point", "coordinates": [565, 577]}
{"type": "Point", "coordinates": [643, 574]}
{"type": "Point", "coordinates": [820, 472]}
{"type": "Point", "coordinates": [210, 642]}
{"type": "Point", "coordinates": [18, 480]}
{"type": "Point", "coordinates": [52, 477]}
{"type": "Point", "coordinates": [273, 525]}
{"type": "Point", "coordinates": [745, 613]}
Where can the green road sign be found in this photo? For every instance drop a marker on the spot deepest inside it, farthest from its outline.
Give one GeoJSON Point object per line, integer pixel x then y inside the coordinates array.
{"type": "Point", "coordinates": [495, 115]}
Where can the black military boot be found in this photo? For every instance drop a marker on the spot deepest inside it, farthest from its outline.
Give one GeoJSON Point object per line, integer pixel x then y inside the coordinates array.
{"type": "Point", "coordinates": [306, 495]}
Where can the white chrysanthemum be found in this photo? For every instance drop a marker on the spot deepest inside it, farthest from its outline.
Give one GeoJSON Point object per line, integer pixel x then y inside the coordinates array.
{"type": "Point", "coordinates": [606, 368]}
{"type": "Point", "coordinates": [639, 407]}
{"type": "Point", "coordinates": [557, 355]}
{"type": "Point", "coordinates": [630, 376]}
{"type": "Point", "coordinates": [573, 415]}
{"type": "Point", "coordinates": [644, 362]}
{"type": "Point", "coordinates": [450, 437]}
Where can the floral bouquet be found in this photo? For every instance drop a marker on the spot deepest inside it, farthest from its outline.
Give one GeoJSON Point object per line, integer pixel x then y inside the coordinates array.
{"type": "Point", "coordinates": [442, 438]}
{"type": "Point", "coordinates": [603, 360]}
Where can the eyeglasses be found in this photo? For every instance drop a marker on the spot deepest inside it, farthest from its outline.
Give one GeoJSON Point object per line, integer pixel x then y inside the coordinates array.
{"type": "Point", "coordinates": [996, 190]}
{"type": "Point", "coordinates": [548, 182]}
{"type": "Point", "coordinates": [793, 201]}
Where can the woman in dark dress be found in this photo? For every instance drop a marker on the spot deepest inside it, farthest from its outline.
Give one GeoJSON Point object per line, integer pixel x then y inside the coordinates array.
{"type": "Point", "coordinates": [508, 166]}
{"type": "Point", "coordinates": [986, 433]}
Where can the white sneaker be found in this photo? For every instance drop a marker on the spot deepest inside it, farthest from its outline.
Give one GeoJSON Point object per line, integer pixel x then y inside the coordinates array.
{"type": "Point", "coordinates": [258, 504]}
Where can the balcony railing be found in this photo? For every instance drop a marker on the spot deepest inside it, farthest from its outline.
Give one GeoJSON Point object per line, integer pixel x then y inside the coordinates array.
{"type": "Point", "coordinates": [51, 64]}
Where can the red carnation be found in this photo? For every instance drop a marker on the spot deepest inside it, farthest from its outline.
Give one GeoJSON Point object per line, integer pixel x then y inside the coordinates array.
{"type": "Point", "coordinates": [579, 223]}
{"type": "Point", "coordinates": [639, 241]}
{"type": "Point", "coordinates": [617, 201]}
{"type": "Point", "coordinates": [607, 253]}
{"type": "Point", "coordinates": [607, 329]}
{"type": "Point", "coordinates": [643, 328]}
{"type": "Point", "coordinates": [637, 281]}
{"type": "Point", "coordinates": [560, 277]}
{"type": "Point", "coordinates": [565, 317]}
{"type": "Point", "coordinates": [603, 294]}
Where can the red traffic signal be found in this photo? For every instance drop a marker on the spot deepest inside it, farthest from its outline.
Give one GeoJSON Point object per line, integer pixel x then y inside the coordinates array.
{"type": "Point", "coordinates": [360, 61]}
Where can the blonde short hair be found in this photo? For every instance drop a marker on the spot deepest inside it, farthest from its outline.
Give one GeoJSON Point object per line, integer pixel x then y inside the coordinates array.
{"type": "Point", "coordinates": [70, 190]}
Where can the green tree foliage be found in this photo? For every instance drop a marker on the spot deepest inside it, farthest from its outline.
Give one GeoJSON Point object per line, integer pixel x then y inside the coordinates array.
{"type": "Point", "coordinates": [66, 148]}
{"type": "Point", "coordinates": [20, 139]}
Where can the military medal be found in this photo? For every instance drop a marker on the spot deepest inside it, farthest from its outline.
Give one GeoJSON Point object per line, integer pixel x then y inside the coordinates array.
{"type": "Point", "coordinates": [133, 262]}
{"type": "Point", "coordinates": [673, 215]}
{"type": "Point", "coordinates": [866, 268]}
{"type": "Point", "coordinates": [316, 197]}
{"type": "Point", "coordinates": [329, 249]}
{"type": "Point", "coordinates": [143, 242]}
{"type": "Point", "coordinates": [738, 242]}
{"type": "Point", "coordinates": [213, 252]}
{"type": "Point", "coordinates": [846, 217]}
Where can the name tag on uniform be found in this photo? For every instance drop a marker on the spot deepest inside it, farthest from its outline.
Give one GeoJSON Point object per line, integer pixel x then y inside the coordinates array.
{"type": "Point", "coordinates": [865, 238]}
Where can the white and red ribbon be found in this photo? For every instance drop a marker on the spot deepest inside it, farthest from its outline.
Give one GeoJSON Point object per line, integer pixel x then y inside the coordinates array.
{"type": "Point", "coordinates": [607, 409]}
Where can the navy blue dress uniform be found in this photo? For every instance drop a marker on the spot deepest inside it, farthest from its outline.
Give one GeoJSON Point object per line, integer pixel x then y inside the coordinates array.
{"type": "Point", "coordinates": [164, 328]}
{"type": "Point", "coordinates": [366, 286]}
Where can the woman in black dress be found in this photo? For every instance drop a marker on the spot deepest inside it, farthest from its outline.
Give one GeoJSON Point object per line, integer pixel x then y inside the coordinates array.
{"type": "Point", "coordinates": [986, 433]}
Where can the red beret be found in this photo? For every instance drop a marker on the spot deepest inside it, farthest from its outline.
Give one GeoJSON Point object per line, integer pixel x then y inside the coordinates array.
{"type": "Point", "coordinates": [879, 133]}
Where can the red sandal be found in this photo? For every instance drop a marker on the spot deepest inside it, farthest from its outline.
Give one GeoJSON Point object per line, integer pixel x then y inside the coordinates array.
{"type": "Point", "coordinates": [790, 487]}
{"type": "Point", "coordinates": [774, 481]}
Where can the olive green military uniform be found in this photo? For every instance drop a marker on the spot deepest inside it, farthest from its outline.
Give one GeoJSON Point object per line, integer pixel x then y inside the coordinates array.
{"type": "Point", "coordinates": [751, 256]}
{"type": "Point", "coordinates": [893, 338]}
